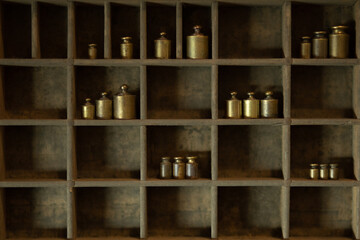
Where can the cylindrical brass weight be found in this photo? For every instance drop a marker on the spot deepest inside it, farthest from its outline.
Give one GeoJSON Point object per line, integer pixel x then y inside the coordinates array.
{"type": "Point", "coordinates": [192, 168]}
{"type": "Point", "coordinates": [124, 104]}
{"type": "Point", "coordinates": [269, 106]}
{"type": "Point", "coordinates": [251, 106]}
{"type": "Point", "coordinates": [88, 110]}
{"type": "Point", "coordinates": [339, 42]}
{"type": "Point", "coordinates": [320, 45]}
{"type": "Point", "coordinates": [233, 107]}
{"type": "Point", "coordinates": [104, 107]}
{"type": "Point", "coordinates": [305, 47]}
{"type": "Point", "coordinates": [165, 168]}
{"type": "Point", "coordinates": [126, 48]}
{"type": "Point", "coordinates": [197, 45]}
{"type": "Point", "coordinates": [324, 171]}
{"type": "Point", "coordinates": [314, 171]}
{"type": "Point", "coordinates": [162, 47]}
{"type": "Point", "coordinates": [179, 168]}
{"type": "Point", "coordinates": [92, 51]}
{"type": "Point", "coordinates": [334, 171]}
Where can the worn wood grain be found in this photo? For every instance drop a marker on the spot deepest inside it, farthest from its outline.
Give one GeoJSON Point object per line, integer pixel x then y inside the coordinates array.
{"type": "Point", "coordinates": [286, 151]}
{"type": "Point", "coordinates": [214, 212]}
{"type": "Point", "coordinates": [356, 151]}
{"type": "Point", "coordinates": [107, 30]}
{"type": "Point", "coordinates": [1, 33]}
{"type": "Point", "coordinates": [179, 30]}
{"type": "Point", "coordinates": [2, 156]}
{"type": "Point", "coordinates": [215, 29]}
{"type": "Point", "coordinates": [143, 30]}
{"type": "Point", "coordinates": [286, 28]}
{"type": "Point", "coordinates": [143, 213]}
{"type": "Point", "coordinates": [143, 153]}
{"type": "Point", "coordinates": [2, 215]}
{"type": "Point", "coordinates": [214, 91]}
{"type": "Point", "coordinates": [71, 213]}
{"type": "Point", "coordinates": [71, 28]}
{"type": "Point", "coordinates": [356, 211]}
{"type": "Point", "coordinates": [214, 152]}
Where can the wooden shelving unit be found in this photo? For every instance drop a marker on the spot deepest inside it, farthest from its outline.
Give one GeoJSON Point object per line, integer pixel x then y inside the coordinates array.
{"type": "Point", "coordinates": [62, 177]}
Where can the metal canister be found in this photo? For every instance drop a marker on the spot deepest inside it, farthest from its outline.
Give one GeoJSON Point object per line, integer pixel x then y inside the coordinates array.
{"type": "Point", "coordinates": [339, 42]}
{"type": "Point", "coordinates": [324, 171]}
{"type": "Point", "coordinates": [124, 104]}
{"type": "Point", "coordinates": [334, 171]}
{"type": "Point", "coordinates": [320, 45]}
{"type": "Point", "coordinates": [197, 45]}
{"type": "Point", "coordinates": [314, 171]}
{"type": "Point", "coordinates": [233, 107]}
{"type": "Point", "coordinates": [92, 51]}
{"type": "Point", "coordinates": [162, 47]}
{"type": "Point", "coordinates": [192, 167]}
{"type": "Point", "coordinates": [165, 168]}
{"type": "Point", "coordinates": [88, 109]}
{"type": "Point", "coordinates": [251, 106]}
{"type": "Point", "coordinates": [126, 48]}
{"type": "Point", "coordinates": [104, 107]}
{"type": "Point", "coordinates": [269, 106]}
{"type": "Point", "coordinates": [305, 47]}
{"type": "Point", "coordinates": [179, 168]}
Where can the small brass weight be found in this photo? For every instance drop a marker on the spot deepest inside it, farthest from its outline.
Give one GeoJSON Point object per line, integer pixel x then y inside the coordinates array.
{"type": "Point", "coordinates": [251, 106]}
{"type": "Point", "coordinates": [88, 109]}
{"type": "Point", "coordinates": [92, 51]}
{"type": "Point", "coordinates": [197, 45]}
{"type": "Point", "coordinates": [162, 47]}
{"type": "Point", "coordinates": [269, 106]}
{"type": "Point", "coordinates": [126, 48]}
{"type": "Point", "coordinates": [104, 107]}
{"type": "Point", "coordinates": [124, 104]}
{"type": "Point", "coordinates": [233, 107]}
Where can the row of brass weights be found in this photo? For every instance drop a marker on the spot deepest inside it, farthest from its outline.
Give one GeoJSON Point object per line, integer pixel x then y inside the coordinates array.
{"type": "Point", "coordinates": [338, 44]}
{"type": "Point", "coordinates": [323, 172]}
{"type": "Point", "coordinates": [252, 109]}
{"type": "Point", "coordinates": [179, 169]}
{"type": "Point", "coordinates": [124, 106]}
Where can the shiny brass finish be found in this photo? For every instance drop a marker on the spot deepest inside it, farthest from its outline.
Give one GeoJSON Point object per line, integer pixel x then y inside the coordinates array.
{"type": "Point", "coordinates": [334, 171]}
{"type": "Point", "coordinates": [92, 51]}
{"type": "Point", "coordinates": [126, 48]}
{"type": "Point", "coordinates": [124, 104]}
{"type": "Point", "coordinates": [165, 168]}
{"type": "Point", "coordinates": [339, 42]}
{"type": "Point", "coordinates": [314, 171]}
{"type": "Point", "coordinates": [197, 45]}
{"type": "Point", "coordinates": [192, 168]}
{"type": "Point", "coordinates": [88, 110]}
{"type": "Point", "coordinates": [233, 107]}
{"type": "Point", "coordinates": [320, 45]}
{"type": "Point", "coordinates": [104, 107]}
{"type": "Point", "coordinates": [305, 47]}
{"type": "Point", "coordinates": [324, 171]}
{"type": "Point", "coordinates": [251, 106]}
{"type": "Point", "coordinates": [162, 47]}
{"type": "Point", "coordinates": [179, 168]}
{"type": "Point", "coordinates": [269, 106]}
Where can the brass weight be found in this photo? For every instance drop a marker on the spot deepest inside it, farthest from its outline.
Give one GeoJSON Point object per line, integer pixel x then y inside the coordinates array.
{"type": "Point", "coordinates": [233, 107]}
{"type": "Point", "coordinates": [251, 106]}
{"type": "Point", "coordinates": [92, 51]}
{"type": "Point", "coordinates": [197, 45]}
{"type": "Point", "coordinates": [305, 47]}
{"type": "Point", "coordinates": [269, 106]}
{"type": "Point", "coordinates": [126, 48]}
{"type": "Point", "coordinates": [320, 45]}
{"type": "Point", "coordinates": [339, 42]}
{"type": "Point", "coordinates": [88, 109]}
{"type": "Point", "coordinates": [162, 47]}
{"type": "Point", "coordinates": [124, 104]}
{"type": "Point", "coordinates": [104, 107]}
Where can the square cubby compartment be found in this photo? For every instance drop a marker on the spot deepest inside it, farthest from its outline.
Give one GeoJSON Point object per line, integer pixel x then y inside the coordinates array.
{"type": "Point", "coordinates": [108, 152]}
{"type": "Point", "coordinates": [34, 152]}
{"type": "Point", "coordinates": [250, 31]}
{"type": "Point", "coordinates": [321, 212]}
{"type": "Point", "coordinates": [322, 92]}
{"type": "Point", "coordinates": [184, 212]}
{"type": "Point", "coordinates": [90, 82]}
{"type": "Point", "coordinates": [179, 92]}
{"type": "Point", "coordinates": [321, 144]}
{"type": "Point", "coordinates": [306, 18]}
{"type": "Point", "coordinates": [34, 92]}
{"type": "Point", "coordinates": [250, 152]}
{"type": "Point", "coordinates": [108, 212]}
{"type": "Point", "coordinates": [35, 213]}
{"type": "Point", "coordinates": [244, 79]}
{"type": "Point", "coordinates": [249, 211]}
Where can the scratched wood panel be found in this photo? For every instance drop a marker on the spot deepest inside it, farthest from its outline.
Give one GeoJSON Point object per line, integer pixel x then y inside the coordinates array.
{"type": "Point", "coordinates": [108, 152]}
{"type": "Point", "coordinates": [35, 212]}
{"type": "Point", "coordinates": [108, 212]}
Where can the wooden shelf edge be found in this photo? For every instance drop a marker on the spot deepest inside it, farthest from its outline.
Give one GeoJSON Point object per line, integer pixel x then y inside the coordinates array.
{"type": "Point", "coordinates": [30, 62]}
{"type": "Point", "coordinates": [324, 121]}
{"type": "Point", "coordinates": [29, 183]}
{"type": "Point", "coordinates": [325, 62]}
{"type": "Point", "coordinates": [303, 182]}
{"type": "Point", "coordinates": [33, 122]}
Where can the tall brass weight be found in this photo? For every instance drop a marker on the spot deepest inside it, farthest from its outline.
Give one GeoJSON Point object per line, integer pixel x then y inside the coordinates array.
{"type": "Point", "coordinates": [124, 104]}
{"type": "Point", "coordinates": [162, 47]}
{"type": "Point", "coordinates": [269, 106]}
{"type": "Point", "coordinates": [233, 107]}
{"type": "Point", "coordinates": [104, 107]}
{"type": "Point", "coordinates": [88, 110]}
{"type": "Point", "coordinates": [197, 45]}
{"type": "Point", "coordinates": [251, 106]}
{"type": "Point", "coordinates": [339, 42]}
{"type": "Point", "coordinates": [305, 47]}
{"type": "Point", "coordinates": [320, 45]}
{"type": "Point", "coordinates": [126, 48]}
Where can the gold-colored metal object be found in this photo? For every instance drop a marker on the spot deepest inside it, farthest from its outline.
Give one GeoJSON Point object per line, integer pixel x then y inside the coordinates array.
{"type": "Point", "coordinates": [305, 47]}
{"type": "Point", "coordinates": [103, 107]}
{"type": "Point", "coordinates": [165, 168]}
{"type": "Point", "coordinates": [179, 168]}
{"type": "Point", "coordinates": [324, 171]}
{"type": "Point", "coordinates": [251, 106]}
{"type": "Point", "coordinates": [314, 171]}
{"type": "Point", "coordinates": [124, 104]}
{"type": "Point", "coordinates": [334, 171]}
{"type": "Point", "coordinates": [339, 42]}
{"type": "Point", "coordinates": [88, 109]}
{"type": "Point", "coordinates": [197, 45]}
{"type": "Point", "coordinates": [320, 45]}
{"type": "Point", "coordinates": [233, 107]}
{"type": "Point", "coordinates": [162, 47]}
{"type": "Point", "coordinates": [269, 106]}
{"type": "Point", "coordinates": [92, 51]}
{"type": "Point", "coordinates": [126, 48]}
{"type": "Point", "coordinates": [192, 168]}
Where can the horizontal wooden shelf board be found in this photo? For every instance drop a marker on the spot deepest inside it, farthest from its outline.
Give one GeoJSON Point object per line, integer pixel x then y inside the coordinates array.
{"type": "Point", "coordinates": [320, 238]}
{"type": "Point", "coordinates": [34, 122]}
{"type": "Point", "coordinates": [325, 62]}
{"type": "Point", "coordinates": [233, 182]}
{"type": "Point", "coordinates": [255, 3]}
{"type": "Point", "coordinates": [303, 182]}
{"type": "Point", "coordinates": [107, 238]}
{"type": "Point", "coordinates": [155, 182]}
{"type": "Point", "coordinates": [327, 2]}
{"type": "Point", "coordinates": [112, 122]}
{"type": "Point", "coordinates": [260, 121]}
{"type": "Point", "coordinates": [251, 62]}
{"type": "Point", "coordinates": [20, 183]}
{"type": "Point", "coordinates": [324, 121]}
{"type": "Point", "coordinates": [43, 62]}
{"type": "Point", "coordinates": [247, 237]}
{"type": "Point", "coordinates": [177, 238]}
{"type": "Point", "coordinates": [107, 182]}
{"type": "Point", "coordinates": [107, 62]}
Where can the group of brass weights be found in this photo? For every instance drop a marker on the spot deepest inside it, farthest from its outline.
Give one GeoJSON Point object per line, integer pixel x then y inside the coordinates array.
{"type": "Point", "coordinates": [179, 169]}
{"type": "Point", "coordinates": [252, 109]}
{"type": "Point", "coordinates": [323, 172]}
{"type": "Point", "coordinates": [124, 106]}
{"type": "Point", "coordinates": [126, 49]}
{"type": "Point", "coordinates": [338, 44]}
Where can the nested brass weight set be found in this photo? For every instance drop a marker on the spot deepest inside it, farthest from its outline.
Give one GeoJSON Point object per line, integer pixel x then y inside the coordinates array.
{"type": "Point", "coordinates": [324, 171]}
{"type": "Point", "coordinates": [178, 169]}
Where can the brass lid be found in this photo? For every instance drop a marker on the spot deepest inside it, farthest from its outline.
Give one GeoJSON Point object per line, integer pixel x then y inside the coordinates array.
{"type": "Point", "coordinates": [104, 96]}
{"type": "Point", "coordinates": [123, 90]}
{"type": "Point", "coordinates": [178, 159]}
{"type": "Point", "coordinates": [251, 96]}
{"type": "Point", "coordinates": [324, 165]}
{"type": "Point", "coordinates": [162, 36]}
{"type": "Point", "coordinates": [126, 39]}
{"type": "Point", "coordinates": [314, 165]}
{"type": "Point", "coordinates": [305, 39]}
{"type": "Point", "coordinates": [165, 158]}
{"type": "Point", "coordinates": [334, 165]}
{"type": "Point", "coordinates": [92, 45]}
{"type": "Point", "coordinates": [197, 29]}
{"type": "Point", "coordinates": [320, 33]}
{"type": "Point", "coordinates": [192, 157]}
{"type": "Point", "coordinates": [339, 29]}
{"type": "Point", "coordinates": [233, 96]}
{"type": "Point", "coordinates": [88, 102]}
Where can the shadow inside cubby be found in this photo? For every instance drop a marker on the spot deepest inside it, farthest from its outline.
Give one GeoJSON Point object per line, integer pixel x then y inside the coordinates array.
{"type": "Point", "coordinates": [247, 31]}
{"type": "Point", "coordinates": [249, 211]}
{"type": "Point", "coordinates": [108, 212]}
{"type": "Point", "coordinates": [35, 92]}
{"type": "Point", "coordinates": [53, 30]}
{"type": "Point", "coordinates": [250, 151]}
{"type": "Point", "coordinates": [160, 18]}
{"type": "Point", "coordinates": [108, 152]}
{"type": "Point", "coordinates": [89, 29]}
{"type": "Point", "coordinates": [35, 213]}
{"type": "Point", "coordinates": [16, 30]}
{"type": "Point", "coordinates": [92, 81]}
{"type": "Point", "coordinates": [184, 211]}
{"type": "Point", "coordinates": [125, 21]}
{"type": "Point", "coordinates": [321, 212]}
{"type": "Point", "coordinates": [244, 79]}
{"type": "Point", "coordinates": [322, 92]}
{"type": "Point", "coordinates": [179, 92]}
{"type": "Point", "coordinates": [308, 18]}
{"type": "Point", "coordinates": [321, 144]}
